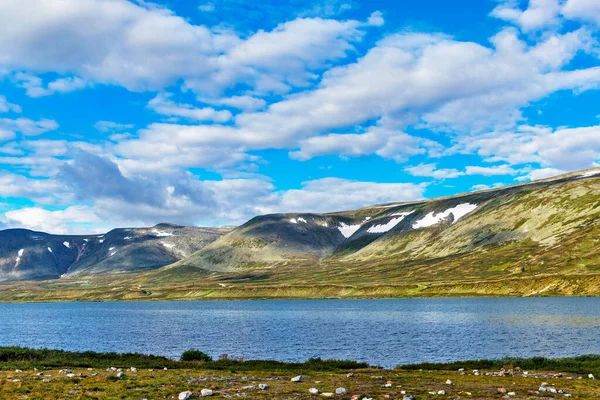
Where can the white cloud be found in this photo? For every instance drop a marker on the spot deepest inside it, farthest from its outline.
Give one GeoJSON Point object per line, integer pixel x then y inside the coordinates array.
{"type": "Point", "coordinates": [376, 19]}
{"type": "Point", "coordinates": [541, 173]}
{"type": "Point", "coordinates": [565, 149]}
{"type": "Point", "coordinates": [163, 105]}
{"type": "Point", "coordinates": [245, 103]}
{"type": "Point", "coordinates": [5, 106]}
{"type": "Point", "coordinates": [384, 142]}
{"type": "Point", "coordinates": [35, 87]}
{"type": "Point", "coordinates": [207, 7]}
{"type": "Point", "coordinates": [143, 46]}
{"type": "Point", "coordinates": [490, 171]}
{"type": "Point", "coordinates": [110, 126]}
{"type": "Point", "coordinates": [10, 127]}
{"type": "Point", "coordinates": [538, 15]}
{"type": "Point", "coordinates": [47, 191]}
{"type": "Point", "coordinates": [585, 10]}
{"type": "Point", "coordinates": [75, 219]}
{"type": "Point", "coordinates": [475, 188]}
{"type": "Point", "coordinates": [275, 61]}
{"type": "Point", "coordinates": [431, 170]}
{"type": "Point", "coordinates": [447, 84]}
{"type": "Point", "coordinates": [334, 194]}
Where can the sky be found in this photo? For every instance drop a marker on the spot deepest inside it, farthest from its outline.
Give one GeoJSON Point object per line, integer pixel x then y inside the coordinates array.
{"type": "Point", "coordinates": [117, 113]}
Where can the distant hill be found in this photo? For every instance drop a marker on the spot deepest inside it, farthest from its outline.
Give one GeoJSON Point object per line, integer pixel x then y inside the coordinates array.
{"type": "Point", "coordinates": [26, 254]}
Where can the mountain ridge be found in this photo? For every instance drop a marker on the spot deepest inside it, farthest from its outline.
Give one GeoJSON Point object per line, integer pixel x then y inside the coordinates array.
{"type": "Point", "coordinates": [538, 237]}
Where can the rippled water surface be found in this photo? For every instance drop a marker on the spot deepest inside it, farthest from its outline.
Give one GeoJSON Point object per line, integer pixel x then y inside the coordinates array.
{"type": "Point", "coordinates": [382, 332]}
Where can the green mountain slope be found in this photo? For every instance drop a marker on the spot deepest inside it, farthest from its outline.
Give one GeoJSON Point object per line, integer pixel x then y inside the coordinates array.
{"type": "Point", "coordinates": [543, 227]}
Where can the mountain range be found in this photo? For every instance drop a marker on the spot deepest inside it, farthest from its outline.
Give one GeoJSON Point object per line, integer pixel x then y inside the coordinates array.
{"type": "Point", "coordinates": [510, 240]}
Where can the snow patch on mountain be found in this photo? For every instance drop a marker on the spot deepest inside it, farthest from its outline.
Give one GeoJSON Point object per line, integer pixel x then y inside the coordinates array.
{"type": "Point", "coordinates": [348, 230]}
{"type": "Point", "coordinates": [168, 245]}
{"type": "Point", "coordinates": [590, 174]}
{"type": "Point", "coordinates": [49, 249]}
{"type": "Point", "coordinates": [390, 224]}
{"type": "Point", "coordinates": [432, 218]}
{"type": "Point", "coordinates": [67, 245]}
{"type": "Point", "coordinates": [295, 221]}
{"type": "Point", "coordinates": [158, 233]}
{"type": "Point", "coordinates": [19, 255]}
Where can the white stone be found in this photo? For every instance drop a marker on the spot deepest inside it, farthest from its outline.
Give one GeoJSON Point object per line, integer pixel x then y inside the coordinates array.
{"type": "Point", "coordinates": [296, 379]}
{"type": "Point", "coordinates": [184, 395]}
{"type": "Point", "coordinates": [263, 386]}
{"type": "Point", "coordinates": [206, 392]}
{"type": "Point", "coordinates": [341, 390]}
{"type": "Point", "coordinates": [313, 391]}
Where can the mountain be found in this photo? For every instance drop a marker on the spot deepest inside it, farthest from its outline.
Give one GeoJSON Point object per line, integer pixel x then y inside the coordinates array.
{"type": "Point", "coordinates": [544, 227]}
{"type": "Point", "coordinates": [537, 238]}
{"type": "Point", "coordinates": [26, 254]}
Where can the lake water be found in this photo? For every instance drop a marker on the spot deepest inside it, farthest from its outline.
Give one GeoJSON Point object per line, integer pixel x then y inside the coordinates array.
{"type": "Point", "coordinates": [381, 332]}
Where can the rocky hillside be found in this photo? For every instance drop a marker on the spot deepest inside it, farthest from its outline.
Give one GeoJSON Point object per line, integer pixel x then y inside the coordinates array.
{"type": "Point", "coordinates": [26, 254]}
{"type": "Point", "coordinates": [516, 230]}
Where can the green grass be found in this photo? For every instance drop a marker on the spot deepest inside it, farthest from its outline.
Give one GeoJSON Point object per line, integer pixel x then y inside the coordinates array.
{"type": "Point", "coordinates": [20, 357]}
{"type": "Point", "coordinates": [27, 373]}
{"type": "Point", "coordinates": [579, 365]}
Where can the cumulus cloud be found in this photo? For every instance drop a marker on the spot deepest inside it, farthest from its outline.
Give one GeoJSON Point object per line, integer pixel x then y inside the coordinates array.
{"type": "Point", "coordinates": [10, 127]}
{"type": "Point", "coordinates": [334, 194]}
{"type": "Point", "coordinates": [541, 173]}
{"type": "Point", "coordinates": [446, 84]}
{"type": "Point", "coordinates": [6, 106]}
{"type": "Point", "coordinates": [432, 171]}
{"type": "Point", "coordinates": [244, 102]}
{"type": "Point", "coordinates": [72, 220]}
{"type": "Point", "coordinates": [183, 198]}
{"type": "Point", "coordinates": [564, 149]}
{"type": "Point", "coordinates": [585, 10]}
{"type": "Point", "coordinates": [386, 143]}
{"type": "Point", "coordinates": [304, 86]}
{"type": "Point", "coordinates": [162, 104]}
{"type": "Point", "coordinates": [46, 191]}
{"type": "Point", "coordinates": [143, 46]}
{"type": "Point", "coordinates": [539, 14]}
{"type": "Point", "coordinates": [207, 7]}
{"type": "Point", "coordinates": [35, 86]}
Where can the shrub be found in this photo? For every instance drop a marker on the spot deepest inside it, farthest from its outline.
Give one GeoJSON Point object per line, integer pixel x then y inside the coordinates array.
{"type": "Point", "coordinates": [195, 355]}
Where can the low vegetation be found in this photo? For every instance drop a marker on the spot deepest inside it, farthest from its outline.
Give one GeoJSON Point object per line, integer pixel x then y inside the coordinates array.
{"type": "Point", "coordinates": [579, 365]}
{"type": "Point", "coordinates": [51, 374]}
{"type": "Point", "coordinates": [20, 357]}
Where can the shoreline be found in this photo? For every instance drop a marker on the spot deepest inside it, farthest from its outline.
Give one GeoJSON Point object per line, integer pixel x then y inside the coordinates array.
{"type": "Point", "coordinates": [139, 287]}
{"type": "Point", "coordinates": [42, 374]}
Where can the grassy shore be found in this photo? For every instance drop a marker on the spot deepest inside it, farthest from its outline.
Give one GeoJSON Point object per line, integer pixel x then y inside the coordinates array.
{"type": "Point", "coordinates": [51, 374]}
{"type": "Point", "coordinates": [198, 285]}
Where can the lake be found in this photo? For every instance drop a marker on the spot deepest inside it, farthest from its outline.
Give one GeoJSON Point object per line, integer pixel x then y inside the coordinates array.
{"type": "Point", "coordinates": [381, 332]}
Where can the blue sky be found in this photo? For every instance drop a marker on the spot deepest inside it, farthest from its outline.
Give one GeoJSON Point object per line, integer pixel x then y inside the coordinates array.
{"type": "Point", "coordinates": [129, 113]}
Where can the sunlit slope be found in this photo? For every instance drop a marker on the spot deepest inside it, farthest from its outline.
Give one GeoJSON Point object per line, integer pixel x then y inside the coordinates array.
{"type": "Point", "coordinates": [543, 227]}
